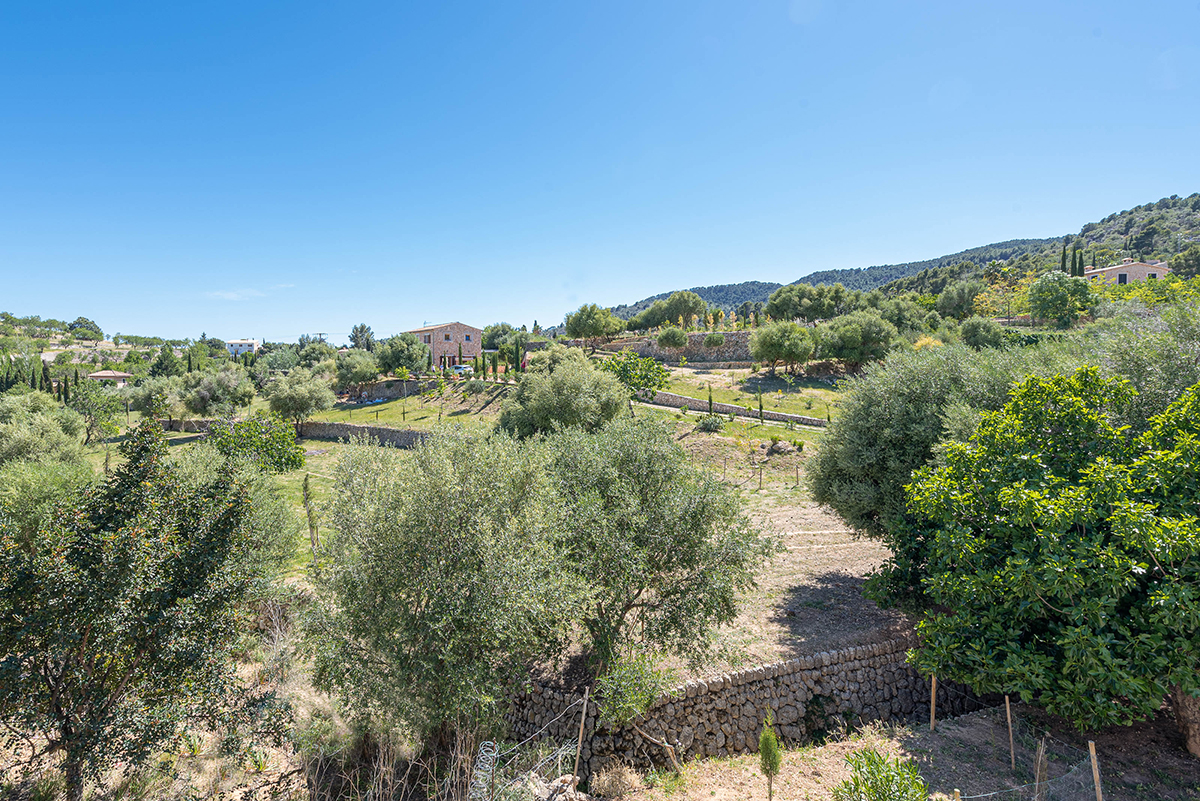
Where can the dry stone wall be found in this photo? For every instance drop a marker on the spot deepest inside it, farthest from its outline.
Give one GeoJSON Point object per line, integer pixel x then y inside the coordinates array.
{"type": "Point", "coordinates": [723, 715]}
{"type": "Point", "coordinates": [736, 348]}
{"type": "Point", "coordinates": [399, 437]}
{"type": "Point", "coordinates": [682, 402]}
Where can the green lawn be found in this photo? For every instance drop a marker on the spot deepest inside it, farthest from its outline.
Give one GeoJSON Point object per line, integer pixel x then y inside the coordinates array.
{"type": "Point", "coordinates": [791, 395]}
{"type": "Point", "coordinates": [423, 412]}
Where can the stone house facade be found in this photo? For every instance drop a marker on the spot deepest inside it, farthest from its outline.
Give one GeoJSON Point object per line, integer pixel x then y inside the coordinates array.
{"type": "Point", "coordinates": [445, 341]}
{"type": "Point", "coordinates": [1128, 271]}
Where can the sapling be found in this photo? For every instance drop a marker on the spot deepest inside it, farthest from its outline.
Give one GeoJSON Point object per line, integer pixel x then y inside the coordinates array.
{"type": "Point", "coordinates": [769, 754]}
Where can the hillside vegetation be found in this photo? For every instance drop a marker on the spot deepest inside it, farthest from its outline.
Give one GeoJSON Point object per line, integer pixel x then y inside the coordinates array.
{"type": "Point", "coordinates": [1154, 230]}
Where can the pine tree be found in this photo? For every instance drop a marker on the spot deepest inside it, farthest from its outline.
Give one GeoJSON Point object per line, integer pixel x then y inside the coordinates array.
{"type": "Point", "coordinates": [770, 756]}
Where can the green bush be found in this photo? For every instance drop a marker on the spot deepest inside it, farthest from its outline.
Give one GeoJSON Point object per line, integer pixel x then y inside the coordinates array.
{"type": "Point", "coordinates": [711, 423]}
{"type": "Point", "coordinates": [876, 778]}
{"type": "Point", "coordinates": [714, 340]}
{"type": "Point", "coordinates": [672, 338]}
{"type": "Point", "coordinates": [855, 338]}
{"type": "Point", "coordinates": [267, 439]}
{"type": "Point", "coordinates": [562, 389]}
{"type": "Point", "coordinates": [980, 333]}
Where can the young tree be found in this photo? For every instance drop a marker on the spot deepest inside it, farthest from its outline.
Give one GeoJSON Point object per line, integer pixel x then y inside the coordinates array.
{"type": "Point", "coordinates": [664, 548]}
{"type": "Point", "coordinates": [120, 622]}
{"type": "Point", "coordinates": [638, 374]}
{"type": "Point", "coordinates": [1064, 555]}
{"type": "Point", "coordinates": [770, 755]}
{"type": "Point", "coordinates": [299, 395]}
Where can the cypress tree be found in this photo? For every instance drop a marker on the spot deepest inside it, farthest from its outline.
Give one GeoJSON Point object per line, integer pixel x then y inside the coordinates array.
{"type": "Point", "coordinates": [1063, 261]}
{"type": "Point", "coordinates": [34, 377]}
{"type": "Point", "coordinates": [66, 388]}
{"type": "Point", "coordinates": [47, 381]}
{"type": "Point", "coordinates": [76, 376]}
{"type": "Point", "coordinates": [770, 755]}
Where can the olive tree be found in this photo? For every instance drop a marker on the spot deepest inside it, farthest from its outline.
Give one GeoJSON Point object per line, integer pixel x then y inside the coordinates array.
{"type": "Point", "coordinates": [855, 338]}
{"type": "Point", "coordinates": [299, 395]}
{"type": "Point", "coordinates": [34, 428]}
{"type": "Point", "coordinates": [216, 391]}
{"type": "Point", "coordinates": [781, 341]}
{"type": "Point", "coordinates": [1064, 555]}
{"type": "Point", "coordinates": [592, 323]}
{"type": "Point", "coordinates": [1060, 298]}
{"type": "Point", "coordinates": [562, 389]}
{"type": "Point", "coordinates": [639, 374]}
{"type": "Point", "coordinates": [440, 583]}
{"type": "Point", "coordinates": [664, 549]}
{"type": "Point", "coordinates": [402, 352]}
{"type": "Point", "coordinates": [355, 368]}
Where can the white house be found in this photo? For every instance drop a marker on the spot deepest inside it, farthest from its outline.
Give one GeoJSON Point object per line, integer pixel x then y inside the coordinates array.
{"type": "Point", "coordinates": [239, 346]}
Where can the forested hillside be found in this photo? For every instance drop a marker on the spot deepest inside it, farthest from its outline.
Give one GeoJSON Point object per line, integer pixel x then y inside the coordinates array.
{"type": "Point", "coordinates": [725, 296]}
{"type": "Point", "coordinates": [1156, 230]}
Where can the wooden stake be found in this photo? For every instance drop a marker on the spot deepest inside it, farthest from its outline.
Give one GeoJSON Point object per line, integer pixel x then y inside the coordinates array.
{"type": "Point", "coordinates": [957, 797]}
{"type": "Point", "coordinates": [1039, 770]}
{"type": "Point", "coordinates": [933, 704]}
{"type": "Point", "coordinates": [579, 745]}
{"type": "Point", "coordinates": [1095, 770]}
{"type": "Point", "coordinates": [760, 478]}
{"type": "Point", "coordinates": [1012, 752]}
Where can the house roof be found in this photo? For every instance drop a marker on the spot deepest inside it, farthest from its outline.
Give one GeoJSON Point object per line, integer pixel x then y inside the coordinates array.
{"type": "Point", "coordinates": [241, 342]}
{"type": "Point", "coordinates": [110, 374]}
{"type": "Point", "coordinates": [439, 325]}
{"type": "Point", "coordinates": [1148, 264]}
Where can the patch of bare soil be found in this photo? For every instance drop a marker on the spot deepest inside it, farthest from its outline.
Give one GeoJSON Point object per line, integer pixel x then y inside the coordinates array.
{"type": "Point", "coordinates": [971, 754]}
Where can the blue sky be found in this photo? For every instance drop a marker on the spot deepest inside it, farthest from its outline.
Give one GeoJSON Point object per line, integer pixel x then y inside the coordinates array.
{"type": "Point", "coordinates": [271, 169]}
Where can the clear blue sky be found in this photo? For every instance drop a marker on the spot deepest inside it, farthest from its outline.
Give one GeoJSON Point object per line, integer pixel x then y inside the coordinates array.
{"type": "Point", "coordinates": [270, 169]}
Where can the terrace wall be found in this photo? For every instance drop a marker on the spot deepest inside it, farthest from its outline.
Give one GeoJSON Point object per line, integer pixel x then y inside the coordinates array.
{"type": "Point", "coordinates": [723, 715]}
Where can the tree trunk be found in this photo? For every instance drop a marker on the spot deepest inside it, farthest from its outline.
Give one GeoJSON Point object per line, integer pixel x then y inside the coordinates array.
{"type": "Point", "coordinates": [73, 773]}
{"type": "Point", "coordinates": [1187, 715]}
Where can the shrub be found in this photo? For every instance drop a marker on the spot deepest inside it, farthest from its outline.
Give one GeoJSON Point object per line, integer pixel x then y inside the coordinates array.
{"type": "Point", "coordinates": [711, 423]}
{"type": "Point", "coordinates": [769, 754]}
{"type": "Point", "coordinates": [672, 338]}
{"type": "Point", "coordinates": [1059, 298]}
{"type": "Point", "coordinates": [475, 386]}
{"type": "Point", "coordinates": [614, 780]}
{"type": "Point", "coordinates": [980, 333]}
{"type": "Point", "coordinates": [267, 439]}
{"type": "Point", "coordinates": [933, 321]}
{"type": "Point", "coordinates": [565, 391]}
{"type": "Point", "coordinates": [1065, 552]}
{"type": "Point", "coordinates": [876, 778]}
{"type": "Point", "coordinates": [856, 338]}
{"type": "Point", "coordinates": [785, 342]}
{"type": "Point", "coordinates": [714, 340]}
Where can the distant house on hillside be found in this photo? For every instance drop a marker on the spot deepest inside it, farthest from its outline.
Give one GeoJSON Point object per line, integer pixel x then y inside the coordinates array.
{"type": "Point", "coordinates": [447, 339]}
{"type": "Point", "coordinates": [239, 346]}
{"type": "Point", "coordinates": [1128, 270]}
{"type": "Point", "coordinates": [116, 376]}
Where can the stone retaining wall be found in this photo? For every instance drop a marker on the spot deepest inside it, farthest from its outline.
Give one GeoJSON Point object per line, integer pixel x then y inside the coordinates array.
{"type": "Point", "coordinates": [399, 437]}
{"type": "Point", "coordinates": [696, 404]}
{"type": "Point", "coordinates": [735, 349]}
{"type": "Point", "coordinates": [723, 715]}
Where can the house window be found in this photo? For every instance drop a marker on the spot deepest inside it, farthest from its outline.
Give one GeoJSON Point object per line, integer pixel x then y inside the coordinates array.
{"type": "Point", "coordinates": [447, 336]}
{"type": "Point", "coordinates": [429, 339]}
{"type": "Point", "coordinates": [1122, 278]}
{"type": "Point", "coordinates": [467, 338]}
{"type": "Point", "coordinates": [1152, 275]}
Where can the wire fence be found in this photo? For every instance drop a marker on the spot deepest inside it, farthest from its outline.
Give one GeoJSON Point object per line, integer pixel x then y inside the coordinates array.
{"type": "Point", "coordinates": [1040, 767]}
{"type": "Point", "coordinates": [512, 772]}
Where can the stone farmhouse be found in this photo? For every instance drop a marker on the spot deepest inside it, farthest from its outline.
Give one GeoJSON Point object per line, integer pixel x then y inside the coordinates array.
{"type": "Point", "coordinates": [446, 339]}
{"type": "Point", "coordinates": [115, 376]}
{"type": "Point", "coordinates": [1128, 270]}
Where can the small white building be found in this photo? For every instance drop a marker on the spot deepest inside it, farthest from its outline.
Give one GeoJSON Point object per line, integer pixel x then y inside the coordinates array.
{"type": "Point", "coordinates": [239, 346]}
